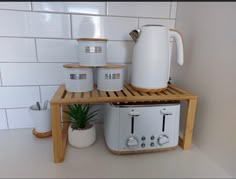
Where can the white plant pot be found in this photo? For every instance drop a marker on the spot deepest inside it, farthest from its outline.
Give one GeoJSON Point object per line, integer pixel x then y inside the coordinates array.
{"type": "Point", "coordinates": [82, 138]}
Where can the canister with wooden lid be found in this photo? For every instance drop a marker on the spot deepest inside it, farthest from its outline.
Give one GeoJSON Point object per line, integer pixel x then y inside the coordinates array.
{"type": "Point", "coordinates": [78, 78]}
{"type": "Point", "coordinates": [92, 51]}
{"type": "Point", "coordinates": [110, 77]}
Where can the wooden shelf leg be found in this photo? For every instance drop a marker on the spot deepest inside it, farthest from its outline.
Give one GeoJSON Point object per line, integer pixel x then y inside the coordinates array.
{"type": "Point", "coordinates": [186, 142]}
{"type": "Point", "coordinates": [58, 149]}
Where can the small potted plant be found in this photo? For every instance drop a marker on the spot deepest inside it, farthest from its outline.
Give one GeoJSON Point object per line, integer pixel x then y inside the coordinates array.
{"type": "Point", "coordinates": [81, 132]}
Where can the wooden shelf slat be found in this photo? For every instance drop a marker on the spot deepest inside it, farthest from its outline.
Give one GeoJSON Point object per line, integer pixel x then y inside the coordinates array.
{"type": "Point", "coordinates": [127, 92]}
{"type": "Point", "coordinates": [178, 89]}
{"type": "Point", "coordinates": [167, 92]}
{"type": "Point", "coordinates": [68, 96]}
{"type": "Point", "coordinates": [103, 93]}
{"type": "Point", "coordinates": [131, 89]}
{"type": "Point", "coordinates": [95, 93]}
{"type": "Point", "coordinates": [59, 92]}
{"type": "Point", "coordinates": [86, 95]}
{"type": "Point", "coordinates": [78, 95]}
{"type": "Point", "coordinates": [120, 94]}
{"type": "Point", "coordinates": [112, 94]}
{"type": "Point", "coordinates": [171, 91]}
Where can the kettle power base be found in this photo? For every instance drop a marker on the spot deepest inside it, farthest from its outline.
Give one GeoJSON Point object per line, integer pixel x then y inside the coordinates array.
{"type": "Point", "coordinates": [151, 90]}
{"type": "Point", "coordinates": [140, 151]}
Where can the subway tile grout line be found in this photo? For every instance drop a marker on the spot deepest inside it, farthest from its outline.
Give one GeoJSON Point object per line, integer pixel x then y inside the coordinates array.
{"type": "Point", "coordinates": [82, 14]}
{"type": "Point", "coordinates": [26, 86]}
{"type": "Point", "coordinates": [176, 13]}
{"type": "Point", "coordinates": [6, 118]}
{"type": "Point", "coordinates": [59, 63]}
{"type": "Point", "coordinates": [106, 8]}
{"type": "Point", "coordinates": [14, 108]}
{"type": "Point", "coordinates": [0, 77]}
{"type": "Point", "coordinates": [53, 38]}
{"type": "Point", "coordinates": [31, 5]}
{"type": "Point", "coordinates": [170, 8]}
{"type": "Point", "coordinates": [36, 50]}
{"type": "Point", "coordinates": [28, 37]}
{"type": "Point", "coordinates": [71, 33]}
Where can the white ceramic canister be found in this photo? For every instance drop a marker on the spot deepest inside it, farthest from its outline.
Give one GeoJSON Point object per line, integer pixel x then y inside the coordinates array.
{"type": "Point", "coordinates": [110, 77]}
{"type": "Point", "coordinates": [92, 51]}
{"type": "Point", "coordinates": [78, 78]}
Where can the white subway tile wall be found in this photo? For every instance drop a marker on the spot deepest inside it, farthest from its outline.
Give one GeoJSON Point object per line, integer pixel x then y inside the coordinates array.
{"type": "Point", "coordinates": [71, 7]}
{"type": "Point", "coordinates": [47, 92]}
{"type": "Point", "coordinates": [17, 97]}
{"type": "Point", "coordinates": [119, 51]}
{"type": "Point", "coordinates": [112, 28]}
{"type": "Point", "coordinates": [57, 50]}
{"type": "Point", "coordinates": [168, 23]}
{"type": "Point", "coordinates": [37, 38]}
{"type": "Point", "coordinates": [49, 25]}
{"type": "Point", "coordinates": [139, 9]}
{"type": "Point", "coordinates": [32, 73]}
{"type": "Point", "coordinates": [19, 118]}
{"type": "Point", "coordinates": [0, 78]}
{"type": "Point", "coordinates": [173, 10]}
{"type": "Point", "coordinates": [16, 5]}
{"type": "Point", "coordinates": [32, 24]}
{"type": "Point", "coordinates": [17, 50]}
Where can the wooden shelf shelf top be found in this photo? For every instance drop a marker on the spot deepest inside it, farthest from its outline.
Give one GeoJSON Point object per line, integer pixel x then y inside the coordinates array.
{"type": "Point", "coordinates": [128, 94]}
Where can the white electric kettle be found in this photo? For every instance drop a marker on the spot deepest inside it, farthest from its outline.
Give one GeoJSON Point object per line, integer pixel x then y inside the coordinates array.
{"type": "Point", "coordinates": [151, 57]}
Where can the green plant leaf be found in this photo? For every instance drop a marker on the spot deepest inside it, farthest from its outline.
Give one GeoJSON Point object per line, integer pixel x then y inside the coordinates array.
{"type": "Point", "coordinates": [79, 115]}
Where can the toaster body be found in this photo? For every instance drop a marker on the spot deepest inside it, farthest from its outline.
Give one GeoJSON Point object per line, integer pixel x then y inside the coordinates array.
{"type": "Point", "coordinates": [138, 127]}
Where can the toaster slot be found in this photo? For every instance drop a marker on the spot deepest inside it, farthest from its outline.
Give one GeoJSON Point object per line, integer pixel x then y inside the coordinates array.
{"type": "Point", "coordinates": [164, 112]}
{"type": "Point", "coordinates": [163, 123]}
{"type": "Point", "coordinates": [132, 124]}
{"type": "Point", "coordinates": [133, 114]}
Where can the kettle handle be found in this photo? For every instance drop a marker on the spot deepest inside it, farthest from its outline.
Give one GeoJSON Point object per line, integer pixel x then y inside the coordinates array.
{"type": "Point", "coordinates": [179, 42]}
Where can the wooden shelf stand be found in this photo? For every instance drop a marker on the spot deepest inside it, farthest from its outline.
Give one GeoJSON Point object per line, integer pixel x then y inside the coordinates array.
{"type": "Point", "coordinates": [62, 98]}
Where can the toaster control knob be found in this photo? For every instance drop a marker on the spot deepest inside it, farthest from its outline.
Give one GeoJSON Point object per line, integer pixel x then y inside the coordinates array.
{"type": "Point", "coordinates": [142, 145]}
{"type": "Point", "coordinates": [152, 144]}
{"type": "Point", "coordinates": [132, 142]}
{"type": "Point", "coordinates": [163, 139]}
{"type": "Point", "coordinates": [152, 137]}
{"type": "Point", "coordinates": [143, 138]}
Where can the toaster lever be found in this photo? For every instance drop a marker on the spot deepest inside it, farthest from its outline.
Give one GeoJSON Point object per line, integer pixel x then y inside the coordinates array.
{"type": "Point", "coordinates": [134, 113]}
{"type": "Point", "coordinates": [165, 112]}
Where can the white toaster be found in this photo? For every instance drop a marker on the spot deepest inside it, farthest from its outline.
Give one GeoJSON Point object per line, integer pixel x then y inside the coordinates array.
{"type": "Point", "coordinates": [141, 127]}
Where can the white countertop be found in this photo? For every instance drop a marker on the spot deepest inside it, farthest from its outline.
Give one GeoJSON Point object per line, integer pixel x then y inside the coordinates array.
{"type": "Point", "coordinates": [23, 155]}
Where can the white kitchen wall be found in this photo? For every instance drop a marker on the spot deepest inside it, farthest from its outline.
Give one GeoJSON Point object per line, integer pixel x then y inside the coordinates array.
{"type": "Point", "coordinates": [37, 38]}
{"type": "Point", "coordinates": [208, 30]}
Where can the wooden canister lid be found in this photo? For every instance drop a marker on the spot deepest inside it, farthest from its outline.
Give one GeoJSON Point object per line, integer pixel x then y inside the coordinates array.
{"type": "Point", "coordinates": [112, 66]}
{"type": "Point", "coordinates": [92, 39]}
{"type": "Point", "coordinates": [75, 66]}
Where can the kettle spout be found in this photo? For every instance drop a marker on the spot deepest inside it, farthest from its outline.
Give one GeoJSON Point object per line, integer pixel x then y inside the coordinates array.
{"type": "Point", "coordinates": [135, 34]}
